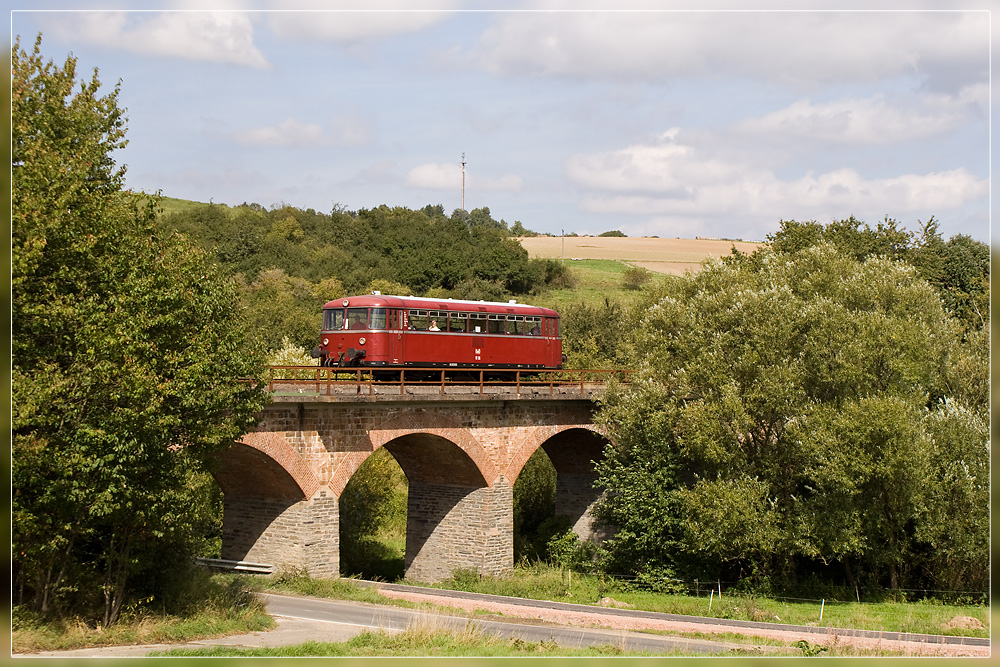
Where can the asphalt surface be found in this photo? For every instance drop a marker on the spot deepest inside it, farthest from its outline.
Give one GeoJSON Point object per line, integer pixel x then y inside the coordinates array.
{"type": "Point", "coordinates": [302, 619]}
{"type": "Point", "coordinates": [390, 618]}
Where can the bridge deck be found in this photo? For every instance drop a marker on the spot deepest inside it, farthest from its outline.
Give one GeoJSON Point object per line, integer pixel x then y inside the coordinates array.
{"type": "Point", "coordinates": [296, 384]}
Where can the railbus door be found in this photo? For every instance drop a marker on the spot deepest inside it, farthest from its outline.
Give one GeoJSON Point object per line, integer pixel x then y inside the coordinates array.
{"type": "Point", "coordinates": [394, 337]}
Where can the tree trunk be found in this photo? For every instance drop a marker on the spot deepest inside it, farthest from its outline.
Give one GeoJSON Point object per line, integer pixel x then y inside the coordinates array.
{"type": "Point", "coordinates": [850, 573]}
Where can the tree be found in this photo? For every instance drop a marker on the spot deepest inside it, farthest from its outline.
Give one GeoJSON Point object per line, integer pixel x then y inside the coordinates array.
{"type": "Point", "coordinates": [129, 361]}
{"type": "Point", "coordinates": [787, 414]}
{"type": "Point", "coordinates": [959, 268]}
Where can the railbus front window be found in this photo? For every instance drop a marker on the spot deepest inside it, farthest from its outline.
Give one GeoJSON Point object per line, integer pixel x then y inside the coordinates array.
{"type": "Point", "coordinates": [376, 319]}
{"type": "Point", "coordinates": [357, 318]}
{"type": "Point", "coordinates": [333, 319]}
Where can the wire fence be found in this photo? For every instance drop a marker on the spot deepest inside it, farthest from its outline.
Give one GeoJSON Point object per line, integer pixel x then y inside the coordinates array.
{"type": "Point", "coordinates": [832, 596]}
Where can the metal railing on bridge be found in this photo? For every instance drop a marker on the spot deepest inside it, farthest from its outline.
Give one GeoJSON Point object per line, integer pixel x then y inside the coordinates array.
{"type": "Point", "coordinates": [333, 380]}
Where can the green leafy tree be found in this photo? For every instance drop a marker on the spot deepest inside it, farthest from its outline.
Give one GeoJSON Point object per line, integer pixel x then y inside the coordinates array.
{"type": "Point", "coordinates": [958, 268]}
{"type": "Point", "coordinates": [128, 357]}
{"type": "Point", "coordinates": [782, 418]}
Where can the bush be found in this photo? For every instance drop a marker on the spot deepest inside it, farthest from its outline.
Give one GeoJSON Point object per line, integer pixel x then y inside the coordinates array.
{"type": "Point", "coordinates": [635, 277]}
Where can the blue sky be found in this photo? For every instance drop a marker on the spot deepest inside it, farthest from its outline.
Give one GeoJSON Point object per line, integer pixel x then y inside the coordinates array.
{"type": "Point", "coordinates": [655, 121]}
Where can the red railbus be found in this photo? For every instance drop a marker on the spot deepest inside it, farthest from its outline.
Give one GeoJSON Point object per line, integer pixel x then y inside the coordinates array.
{"type": "Point", "coordinates": [381, 331]}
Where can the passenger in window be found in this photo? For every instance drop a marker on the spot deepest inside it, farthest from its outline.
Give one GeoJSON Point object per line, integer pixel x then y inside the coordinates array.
{"type": "Point", "coordinates": [434, 326]}
{"type": "Point", "coordinates": [534, 331]}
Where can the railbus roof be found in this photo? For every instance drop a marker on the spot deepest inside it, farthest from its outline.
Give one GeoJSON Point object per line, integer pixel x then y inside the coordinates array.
{"type": "Point", "coordinates": [391, 301]}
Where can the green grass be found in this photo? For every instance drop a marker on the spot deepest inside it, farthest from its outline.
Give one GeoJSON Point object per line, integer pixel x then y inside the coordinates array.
{"type": "Point", "coordinates": [169, 205]}
{"type": "Point", "coordinates": [594, 280]}
{"type": "Point", "coordinates": [418, 641]}
{"type": "Point", "coordinates": [337, 589]}
{"type": "Point", "coordinates": [541, 582]}
{"type": "Point", "coordinates": [224, 607]}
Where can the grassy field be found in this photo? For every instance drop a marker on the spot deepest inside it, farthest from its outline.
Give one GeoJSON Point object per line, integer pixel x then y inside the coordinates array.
{"type": "Point", "coordinates": [594, 280]}
{"type": "Point", "coordinates": [598, 264]}
{"type": "Point", "coordinates": [669, 256]}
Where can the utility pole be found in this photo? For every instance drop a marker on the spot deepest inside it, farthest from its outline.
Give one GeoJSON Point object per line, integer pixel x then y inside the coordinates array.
{"type": "Point", "coordinates": [463, 181]}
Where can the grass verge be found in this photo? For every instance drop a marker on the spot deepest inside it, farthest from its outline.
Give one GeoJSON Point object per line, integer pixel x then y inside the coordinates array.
{"type": "Point", "coordinates": [220, 605]}
{"type": "Point", "coordinates": [417, 641]}
{"type": "Point", "coordinates": [542, 582]}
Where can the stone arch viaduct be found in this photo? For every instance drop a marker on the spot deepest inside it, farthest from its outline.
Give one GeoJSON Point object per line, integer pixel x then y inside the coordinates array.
{"type": "Point", "coordinates": [461, 456]}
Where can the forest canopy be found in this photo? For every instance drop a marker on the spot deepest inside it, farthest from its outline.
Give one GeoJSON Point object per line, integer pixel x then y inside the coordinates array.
{"type": "Point", "coordinates": [292, 261]}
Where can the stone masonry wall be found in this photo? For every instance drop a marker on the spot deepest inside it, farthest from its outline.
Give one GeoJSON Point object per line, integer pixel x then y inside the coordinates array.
{"type": "Point", "coordinates": [451, 527]}
{"type": "Point", "coordinates": [291, 535]}
{"type": "Point", "coordinates": [460, 457]}
{"type": "Point", "coordinates": [575, 498]}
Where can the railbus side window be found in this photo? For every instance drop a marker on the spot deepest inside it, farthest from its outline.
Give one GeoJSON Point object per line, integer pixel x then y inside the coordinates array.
{"type": "Point", "coordinates": [458, 322]}
{"type": "Point", "coordinates": [439, 320]}
{"type": "Point", "coordinates": [533, 325]}
{"type": "Point", "coordinates": [333, 319]}
{"type": "Point", "coordinates": [477, 322]}
{"type": "Point", "coordinates": [515, 324]}
{"type": "Point", "coordinates": [376, 319]}
{"type": "Point", "coordinates": [418, 320]}
{"type": "Point", "coordinates": [497, 324]}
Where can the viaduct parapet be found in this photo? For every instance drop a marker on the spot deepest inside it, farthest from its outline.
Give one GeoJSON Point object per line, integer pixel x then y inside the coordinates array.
{"type": "Point", "coordinates": [461, 455]}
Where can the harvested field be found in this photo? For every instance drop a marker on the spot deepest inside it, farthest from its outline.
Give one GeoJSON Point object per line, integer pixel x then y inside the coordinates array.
{"type": "Point", "coordinates": [671, 256]}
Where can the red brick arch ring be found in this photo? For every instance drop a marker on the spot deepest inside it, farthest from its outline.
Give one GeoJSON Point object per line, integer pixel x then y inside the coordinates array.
{"type": "Point", "coordinates": [539, 435]}
{"type": "Point", "coordinates": [274, 466]}
{"type": "Point", "coordinates": [417, 421]}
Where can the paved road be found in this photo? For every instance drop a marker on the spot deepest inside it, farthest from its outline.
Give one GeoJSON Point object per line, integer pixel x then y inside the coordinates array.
{"type": "Point", "coordinates": [396, 618]}
{"type": "Point", "coordinates": [302, 619]}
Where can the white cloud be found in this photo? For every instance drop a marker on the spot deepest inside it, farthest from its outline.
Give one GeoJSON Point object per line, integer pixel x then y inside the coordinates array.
{"type": "Point", "coordinates": [288, 133]}
{"type": "Point", "coordinates": [324, 20]}
{"type": "Point", "coordinates": [436, 176]}
{"type": "Point", "coordinates": [218, 36]}
{"type": "Point", "coordinates": [671, 178]}
{"type": "Point", "coordinates": [800, 47]}
{"type": "Point", "coordinates": [869, 121]}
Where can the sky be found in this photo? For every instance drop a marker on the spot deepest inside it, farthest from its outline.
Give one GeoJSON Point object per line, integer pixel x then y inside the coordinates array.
{"type": "Point", "coordinates": [671, 119]}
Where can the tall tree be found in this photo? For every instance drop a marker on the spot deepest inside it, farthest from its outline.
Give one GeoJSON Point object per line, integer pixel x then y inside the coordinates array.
{"type": "Point", "coordinates": [793, 408]}
{"type": "Point", "coordinates": [129, 355]}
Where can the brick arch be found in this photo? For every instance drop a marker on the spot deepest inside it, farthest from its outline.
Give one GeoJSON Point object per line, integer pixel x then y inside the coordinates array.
{"type": "Point", "coordinates": [274, 465]}
{"type": "Point", "coordinates": [542, 434]}
{"type": "Point", "coordinates": [414, 423]}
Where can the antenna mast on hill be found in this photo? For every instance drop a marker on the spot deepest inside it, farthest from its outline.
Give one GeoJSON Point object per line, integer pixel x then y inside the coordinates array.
{"type": "Point", "coordinates": [463, 181]}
